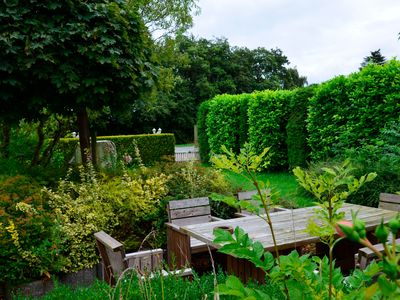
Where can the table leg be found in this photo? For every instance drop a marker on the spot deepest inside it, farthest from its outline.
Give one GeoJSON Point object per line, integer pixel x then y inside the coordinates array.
{"type": "Point", "coordinates": [178, 245]}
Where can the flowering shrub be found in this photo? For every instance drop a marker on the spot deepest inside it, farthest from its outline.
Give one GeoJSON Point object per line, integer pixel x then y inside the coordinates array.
{"type": "Point", "coordinates": [29, 233]}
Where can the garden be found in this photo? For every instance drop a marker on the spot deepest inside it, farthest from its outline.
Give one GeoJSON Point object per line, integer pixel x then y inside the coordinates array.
{"type": "Point", "coordinates": [93, 72]}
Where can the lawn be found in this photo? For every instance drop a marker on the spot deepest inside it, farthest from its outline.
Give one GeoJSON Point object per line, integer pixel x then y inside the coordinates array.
{"type": "Point", "coordinates": [292, 194]}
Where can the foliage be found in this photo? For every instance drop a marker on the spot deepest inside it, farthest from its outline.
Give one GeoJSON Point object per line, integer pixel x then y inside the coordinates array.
{"type": "Point", "coordinates": [89, 54]}
{"type": "Point", "coordinates": [29, 232]}
{"type": "Point", "coordinates": [82, 211]}
{"type": "Point", "coordinates": [136, 201]}
{"type": "Point", "coordinates": [268, 114]}
{"type": "Point", "coordinates": [204, 146]}
{"type": "Point", "coordinates": [226, 122]}
{"type": "Point", "coordinates": [374, 58]}
{"type": "Point", "coordinates": [349, 112]}
{"type": "Point", "coordinates": [387, 270]}
{"type": "Point", "coordinates": [195, 70]}
{"type": "Point", "coordinates": [297, 148]}
{"type": "Point", "coordinates": [383, 157]}
{"type": "Point", "coordinates": [247, 163]}
{"type": "Point", "coordinates": [169, 17]}
{"type": "Point", "coordinates": [331, 186]}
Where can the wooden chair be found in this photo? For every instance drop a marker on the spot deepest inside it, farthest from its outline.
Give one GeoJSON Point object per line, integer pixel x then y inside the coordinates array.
{"type": "Point", "coordinates": [116, 261]}
{"type": "Point", "coordinates": [365, 255]}
{"type": "Point", "coordinates": [248, 196]}
{"type": "Point", "coordinates": [186, 212]}
{"type": "Point", "coordinates": [389, 201]}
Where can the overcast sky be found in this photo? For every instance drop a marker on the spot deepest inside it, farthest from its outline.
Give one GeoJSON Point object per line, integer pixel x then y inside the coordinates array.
{"type": "Point", "coordinates": [321, 38]}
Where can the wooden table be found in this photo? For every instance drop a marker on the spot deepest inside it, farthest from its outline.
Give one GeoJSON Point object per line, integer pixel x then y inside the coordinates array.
{"type": "Point", "coordinates": [289, 227]}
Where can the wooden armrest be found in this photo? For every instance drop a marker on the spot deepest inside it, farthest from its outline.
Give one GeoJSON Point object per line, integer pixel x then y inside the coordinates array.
{"type": "Point", "coordinates": [144, 253]}
{"type": "Point", "coordinates": [215, 219]}
{"type": "Point", "coordinates": [366, 255]}
{"type": "Point", "coordinates": [173, 226]}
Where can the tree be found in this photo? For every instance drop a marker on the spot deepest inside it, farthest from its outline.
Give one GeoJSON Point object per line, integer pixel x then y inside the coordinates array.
{"type": "Point", "coordinates": [374, 58]}
{"type": "Point", "coordinates": [166, 17]}
{"type": "Point", "coordinates": [88, 54]}
{"type": "Point", "coordinates": [195, 70]}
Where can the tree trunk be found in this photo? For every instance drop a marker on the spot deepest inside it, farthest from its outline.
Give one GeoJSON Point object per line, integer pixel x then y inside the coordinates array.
{"type": "Point", "coordinates": [36, 155]}
{"type": "Point", "coordinates": [6, 140]}
{"type": "Point", "coordinates": [48, 152]}
{"type": "Point", "coordinates": [93, 140]}
{"type": "Point", "coordinates": [84, 134]}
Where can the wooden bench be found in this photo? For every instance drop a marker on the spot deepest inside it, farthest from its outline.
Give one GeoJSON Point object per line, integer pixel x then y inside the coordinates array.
{"type": "Point", "coordinates": [248, 196]}
{"type": "Point", "coordinates": [389, 201]}
{"type": "Point", "coordinates": [365, 255]}
{"type": "Point", "coordinates": [181, 213]}
{"type": "Point", "coordinates": [116, 262]}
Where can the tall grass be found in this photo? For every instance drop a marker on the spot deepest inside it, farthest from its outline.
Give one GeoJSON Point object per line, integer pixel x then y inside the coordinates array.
{"type": "Point", "coordinates": [292, 194]}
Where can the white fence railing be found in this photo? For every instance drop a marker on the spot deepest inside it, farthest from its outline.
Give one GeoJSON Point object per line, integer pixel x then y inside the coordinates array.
{"type": "Point", "coordinates": [187, 156]}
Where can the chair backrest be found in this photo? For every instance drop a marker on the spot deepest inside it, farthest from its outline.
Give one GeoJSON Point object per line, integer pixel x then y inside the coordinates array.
{"type": "Point", "coordinates": [189, 211]}
{"type": "Point", "coordinates": [113, 256]}
{"type": "Point", "coordinates": [389, 201]}
{"type": "Point", "coordinates": [145, 261]}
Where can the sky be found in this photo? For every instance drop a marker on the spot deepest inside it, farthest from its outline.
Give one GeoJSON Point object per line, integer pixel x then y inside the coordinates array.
{"type": "Point", "coordinates": [321, 38]}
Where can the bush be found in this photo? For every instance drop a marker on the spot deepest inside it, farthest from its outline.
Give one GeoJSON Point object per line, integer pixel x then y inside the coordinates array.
{"type": "Point", "coordinates": [382, 157]}
{"type": "Point", "coordinates": [152, 147]}
{"type": "Point", "coordinates": [268, 115]}
{"type": "Point", "coordinates": [204, 147]}
{"type": "Point", "coordinates": [227, 122]}
{"type": "Point", "coordinates": [296, 130]}
{"type": "Point", "coordinates": [29, 235]}
{"type": "Point", "coordinates": [82, 211]}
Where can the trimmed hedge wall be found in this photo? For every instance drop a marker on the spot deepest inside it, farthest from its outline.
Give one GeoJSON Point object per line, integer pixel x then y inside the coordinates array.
{"type": "Point", "coordinates": [318, 122]}
{"type": "Point", "coordinates": [204, 146]}
{"type": "Point", "coordinates": [296, 131]}
{"type": "Point", "coordinates": [226, 122]}
{"type": "Point", "coordinates": [152, 147]}
{"type": "Point", "coordinates": [268, 115]}
{"type": "Point", "coordinates": [348, 112]}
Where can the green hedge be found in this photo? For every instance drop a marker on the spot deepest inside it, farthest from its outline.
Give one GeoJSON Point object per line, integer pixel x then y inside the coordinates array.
{"type": "Point", "coordinates": [227, 122]}
{"type": "Point", "coordinates": [296, 131]}
{"type": "Point", "coordinates": [268, 115]}
{"type": "Point", "coordinates": [348, 112]}
{"type": "Point", "coordinates": [152, 147]}
{"type": "Point", "coordinates": [204, 146]}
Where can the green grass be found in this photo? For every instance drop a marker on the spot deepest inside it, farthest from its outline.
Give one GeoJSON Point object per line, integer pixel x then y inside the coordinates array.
{"type": "Point", "coordinates": [292, 194]}
{"type": "Point", "coordinates": [184, 145]}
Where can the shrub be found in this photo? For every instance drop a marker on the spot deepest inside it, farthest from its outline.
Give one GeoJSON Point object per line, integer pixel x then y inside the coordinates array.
{"type": "Point", "coordinates": [204, 147]}
{"type": "Point", "coordinates": [152, 147]}
{"type": "Point", "coordinates": [348, 112]}
{"type": "Point", "coordinates": [382, 157]}
{"type": "Point", "coordinates": [136, 199]}
{"type": "Point", "coordinates": [296, 130]}
{"type": "Point", "coordinates": [268, 115]}
{"type": "Point", "coordinates": [227, 122]}
{"type": "Point", "coordinates": [29, 235]}
{"type": "Point", "coordinates": [82, 211]}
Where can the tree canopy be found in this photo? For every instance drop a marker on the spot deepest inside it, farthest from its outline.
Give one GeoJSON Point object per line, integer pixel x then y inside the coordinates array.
{"type": "Point", "coordinates": [194, 70]}
{"type": "Point", "coordinates": [374, 58]}
{"type": "Point", "coordinates": [68, 56]}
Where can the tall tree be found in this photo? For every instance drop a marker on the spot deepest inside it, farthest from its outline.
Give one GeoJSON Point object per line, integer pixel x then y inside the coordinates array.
{"type": "Point", "coordinates": [166, 17]}
{"type": "Point", "coordinates": [69, 56]}
{"type": "Point", "coordinates": [195, 70]}
{"type": "Point", "coordinates": [374, 58]}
